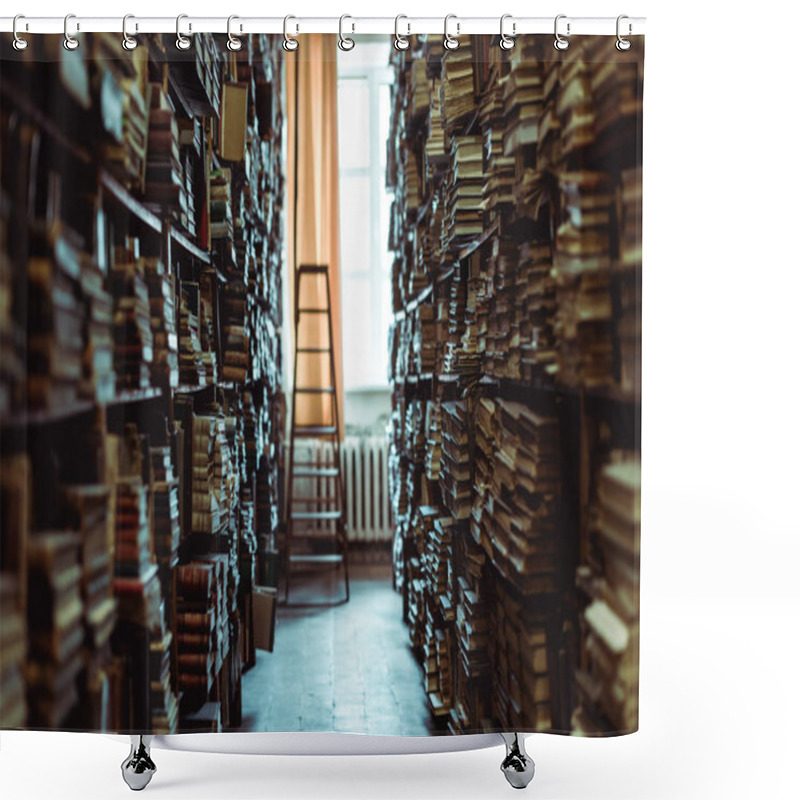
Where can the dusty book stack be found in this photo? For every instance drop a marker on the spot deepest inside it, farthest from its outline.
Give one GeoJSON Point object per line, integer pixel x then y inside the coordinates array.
{"type": "Point", "coordinates": [526, 244]}
{"type": "Point", "coordinates": [163, 325]}
{"type": "Point", "coordinates": [608, 680]}
{"type": "Point", "coordinates": [133, 334]}
{"type": "Point", "coordinates": [54, 626]}
{"type": "Point", "coordinates": [141, 297]}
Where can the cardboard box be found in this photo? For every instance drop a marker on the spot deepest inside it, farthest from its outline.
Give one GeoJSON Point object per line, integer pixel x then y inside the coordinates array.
{"type": "Point", "coordinates": [265, 601]}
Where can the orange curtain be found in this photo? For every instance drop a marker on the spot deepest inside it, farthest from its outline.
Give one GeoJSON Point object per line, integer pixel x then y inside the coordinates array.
{"type": "Point", "coordinates": [313, 214]}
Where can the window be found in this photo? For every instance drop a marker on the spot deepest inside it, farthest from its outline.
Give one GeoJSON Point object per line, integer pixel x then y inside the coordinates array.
{"type": "Point", "coordinates": [364, 207]}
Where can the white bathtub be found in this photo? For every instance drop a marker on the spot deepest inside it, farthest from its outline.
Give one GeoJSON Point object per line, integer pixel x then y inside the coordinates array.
{"type": "Point", "coordinates": [138, 768]}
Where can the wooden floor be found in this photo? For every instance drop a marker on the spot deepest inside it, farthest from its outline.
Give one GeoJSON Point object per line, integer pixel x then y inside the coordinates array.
{"type": "Point", "coordinates": [347, 668]}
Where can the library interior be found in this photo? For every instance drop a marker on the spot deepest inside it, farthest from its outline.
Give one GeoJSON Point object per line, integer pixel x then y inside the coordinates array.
{"type": "Point", "coordinates": [320, 385]}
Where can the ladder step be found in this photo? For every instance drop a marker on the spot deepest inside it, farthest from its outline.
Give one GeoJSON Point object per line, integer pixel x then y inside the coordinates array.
{"type": "Point", "coordinates": [315, 430]}
{"type": "Point", "coordinates": [312, 268]}
{"type": "Point", "coordinates": [309, 515]}
{"type": "Point", "coordinates": [314, 390]}
{"type": "Point", "coordinates": [313, 349]}
{"type": "Point", "coordinates": [317, 558]}
{"type": "Point", "coordinates": [315, 499]}
{"type": "Point", "coordinates": [306, 471]}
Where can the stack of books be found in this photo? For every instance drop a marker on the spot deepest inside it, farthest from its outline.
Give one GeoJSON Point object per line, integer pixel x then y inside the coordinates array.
{"type": "Point", "coordinates": [13, 652]}
{"type": "Point", "coordinates": [205, 506]}
{"type": "Point", "coordinates": [581, 268]}
{"type": "Point", "coordinates": [190, 354]}
{"type": "Point", "coordinates": [608, 686]}
{"type": "Point", "coordinates": [457, 89]}
{"type": "Point", "coordinates": [438, 669]}
{"type": "Point", "coordinates": [164, 179]}
{"type": "Point", "coordinates": [534, 313]}
{"type": "Point", "coordinates": [616, 93]}
{"type": "Point", "coordinates": [485, 435]}
{"type": "Point", "coordinates": [133, 336]}
{"type": "Point", "coordinates": [501, 321]}
{"type": "Point", "coordinates": [127, 154]}
{"type": "Point", "coordinates": [575, 104]}
{"type": "Point", "coordinates": [500, 168]}
{"type": "Point", "coordinates": [98, 356]}
{"type": "Point", "coordinates": [524, 499]}
{"type": "Point", "coordinates": [472, 630]}
{"type": "Point", "coordinates": [414, 438]}
{"type": "Point", "coordinates": [424, 339]}
{"type": "Point", "coordinates": [420, 87]}
{"type": "Point", "coordinates": [548, 143]}
{"type": "Point", "coordinates": [467, 356]}
{"type": "Point", "coordinates": [87, 511]}
{"type": "Point", "coordinates": [196, 628]}
{"type": "Point", "coordinates": [208, 65]}
{"type": "Point", "coordinates": [55, 345]}
{"type": "Point", "coordinates": [132, 556]}
{"type": "Point", "coordinates": [208, 336]}
{"type": "Point", "coordinates": [223, 600]}
{"type": "Point", "coordinates": [162, 323]}
{"type": "Point", "coordinates": [523, 94]}
{"type": "Point", "coordinates": [433, 436]}
{"type": "Point", "coordinates": [464, 192]}
{"type": "Point", "coordinates": [435, 152]}
{"type": "Point", "coordinates": [55, 629]}
{"type": "Point", "coordinates": [163, 702]}
{"type": "Point", "coordinates": [235, 340]}
{"type": "Point", "coordinates": [455, 479]}
{"type": "Point", "coordinates": [520, 642]}
{"type": "Point", "coordinates": [413, 183]}
{"type": "Point", "coordinates": [165, 508]}
{"type": "Point", "coordinates": [221, 212]}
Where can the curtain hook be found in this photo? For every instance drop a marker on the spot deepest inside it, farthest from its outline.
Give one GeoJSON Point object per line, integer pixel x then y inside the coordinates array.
{"type": "Point", "coordinates": [289, 42]}
{"type": "Point", "coordinates": [507, 42]}
{"type": "Point", "coordinates": [561, 43]}
{"type": "Point", "coordinates": [182, 42]}
{"type": "Point", "coordinates": [234, 42]}
{"type": "Point", "coordinates": [450, 42]}
{"type": "Point", "coordinates": [128, 42]}
{"type": "Point", "coordinates": [19, 42]}
{"type": "Point", "coordinates": [623, 44]}
{"type": "Point", "coordinates": [70, 42]}
{"type": "Point", "coordinates": [400, 41]}
{"type": "Point", "coordinates": [345, 42]}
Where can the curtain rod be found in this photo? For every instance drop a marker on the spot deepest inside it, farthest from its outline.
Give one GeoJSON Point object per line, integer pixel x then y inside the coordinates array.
{"type": "Point", "coordinates": [457, 26]}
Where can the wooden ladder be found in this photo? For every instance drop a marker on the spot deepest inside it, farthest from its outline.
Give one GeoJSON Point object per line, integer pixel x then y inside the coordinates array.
{"type": "Point", "coordinates": [303, 510]}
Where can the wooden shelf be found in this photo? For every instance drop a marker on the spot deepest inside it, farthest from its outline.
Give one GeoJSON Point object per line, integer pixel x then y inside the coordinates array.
{"type": "Point", "coordinates": [190, 247]}
{"type": "Point", "coordinates": [49, 416]}
{"type": "Point", "coordinates": [129, 202]}
{"type": "Point", "coordinates": [44, 123]}
{"type": "Point", "coordinates": [470, 248]}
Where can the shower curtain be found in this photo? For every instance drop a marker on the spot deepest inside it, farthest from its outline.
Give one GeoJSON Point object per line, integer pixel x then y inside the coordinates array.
{"type": "Point", "coordinates": [144, 434]}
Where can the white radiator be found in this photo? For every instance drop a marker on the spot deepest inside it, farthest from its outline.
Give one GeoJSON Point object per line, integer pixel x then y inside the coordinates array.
{"type": "Point", "coordinates": [366, 486]}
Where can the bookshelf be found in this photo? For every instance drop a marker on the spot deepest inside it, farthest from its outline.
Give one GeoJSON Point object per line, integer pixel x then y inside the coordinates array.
{"type": "Point", "coordinates": [141, 410]}
{"type": "Point", "coordinates": [516, 232]}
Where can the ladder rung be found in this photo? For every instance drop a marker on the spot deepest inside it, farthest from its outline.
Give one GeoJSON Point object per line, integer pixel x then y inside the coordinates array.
{"type": "Point", "coordinates": [313, 311]}
{"type": "Point", "coordinates": [312, 268]}
{"type": "Point", "coordinates": [314, 499]}
{"type": "Point", "coordinates": [315, 430]}
{"type": "Point", "coordinates": [314, 390]}
{"type": "Point", "coordinates": [317, 558]}
{"type": "Point", "coordinates": [314, 515]}
{"type": "Point", "coordinates": [307, 471]}
{"type": "Point", "coordinates": [313, 349]}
